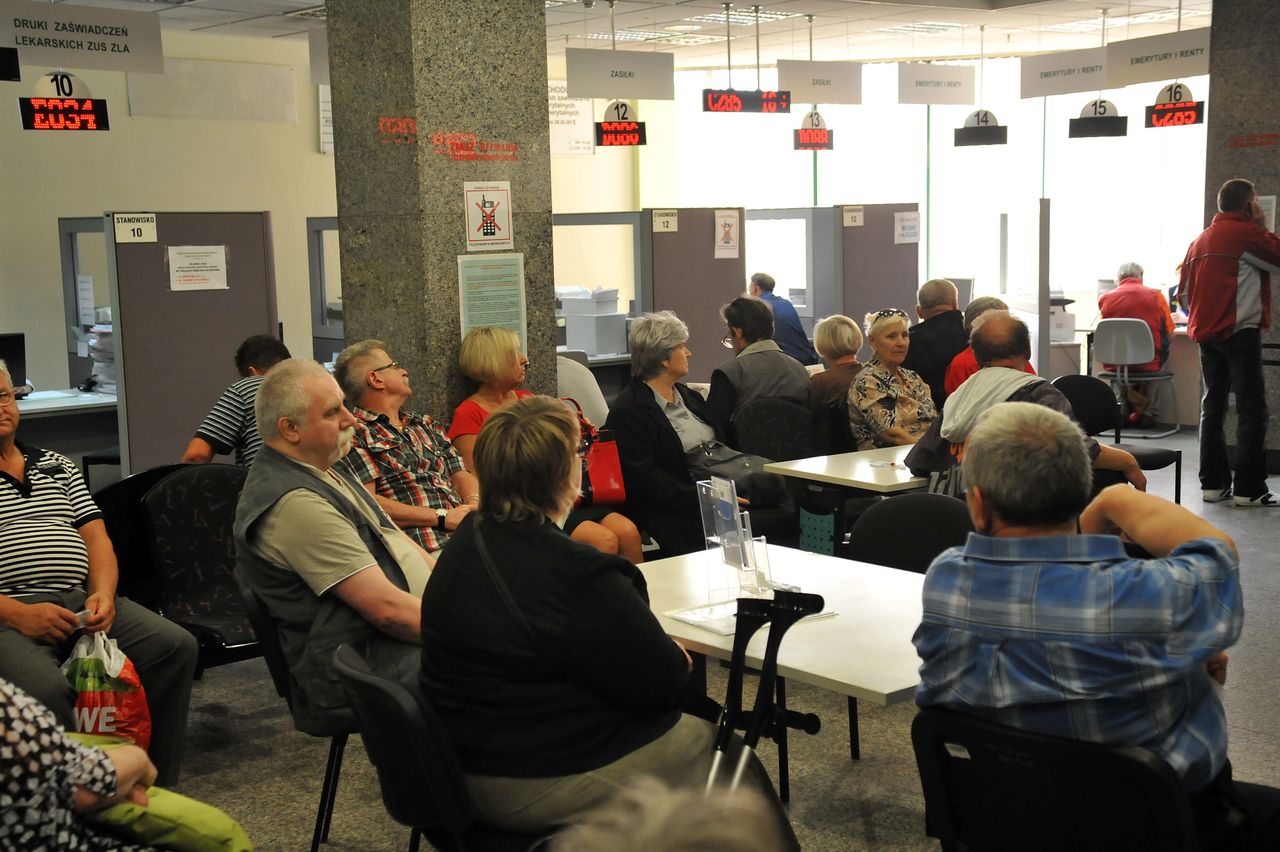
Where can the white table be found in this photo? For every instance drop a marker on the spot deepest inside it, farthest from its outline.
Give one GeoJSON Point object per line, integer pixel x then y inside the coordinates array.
{"type": "Point", "coordinates": [880, 470]}
{"type": "Point", "coordinates": [864, 651]}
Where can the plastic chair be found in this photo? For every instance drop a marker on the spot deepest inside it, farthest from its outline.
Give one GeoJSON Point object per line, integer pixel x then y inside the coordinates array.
{"type": "Point", "coordinates": [421, 780]}
{"type": "Point", "coordinates": [994, 788]}
{"type": "Point", "coordinates": [575, 381]}
{"type": "Point", "coordinates": [121, 506]}
{"type": "Point", "coordinates": [1097, 410]}
{"type": "Point", "coordinates": [269, 641]}
{"type": "Point", "coordinates": [909, 531]}
{"type": "Point", "coordinates": [1127, 343]}
{"type": "Point", "coordinates": [189, 515]}
{"type": "Point", "coordinates": [776, 429]}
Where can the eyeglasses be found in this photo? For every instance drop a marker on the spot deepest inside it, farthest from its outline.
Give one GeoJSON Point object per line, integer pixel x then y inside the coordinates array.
{"type": "Point", "coordinates": [395, 364]}
{"type": "Point", "coordinates": [7, 399]}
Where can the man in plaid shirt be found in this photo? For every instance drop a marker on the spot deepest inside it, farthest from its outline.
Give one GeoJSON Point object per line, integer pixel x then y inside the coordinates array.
{"type": "Point", "coordinates": [404, 460]}
{"type": "Point", "coordinates": [1044, 625]}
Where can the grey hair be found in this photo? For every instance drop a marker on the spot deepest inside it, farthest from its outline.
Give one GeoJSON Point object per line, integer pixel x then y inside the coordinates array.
{"type": "Point", "coordinates": [837, 336]}
{"type": "Point", "coordinates": [980, 306]}
{"type": "Point", "coordinates": [652, 339]}
{"type": "Point", "coordinates": [1030, 463]}
{"type": "Point", "coordinates": [764, 281]}
{"type": "Point", "coordinates": [281, 394]}
{"type": "Point", "coordinates": [936, 292]}
{"type": "Point", "coordinates": [1128, 270]}
{"type": "Point", "coordinates": [348, 367]}
{"type": "Point", "coordinates": [4, 371]}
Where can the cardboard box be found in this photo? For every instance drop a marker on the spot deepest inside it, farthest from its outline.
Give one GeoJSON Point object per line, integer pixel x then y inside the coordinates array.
{"type": "Point", "coordinates": [602, 334]}
{"type": "Point", "coordinates": [596, 303]}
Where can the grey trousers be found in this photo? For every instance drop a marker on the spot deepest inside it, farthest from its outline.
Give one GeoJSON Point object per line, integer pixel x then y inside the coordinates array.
{"type": "Point", "coordinates": [163, 654]}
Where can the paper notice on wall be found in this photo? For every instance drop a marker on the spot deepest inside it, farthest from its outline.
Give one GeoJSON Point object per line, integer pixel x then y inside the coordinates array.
{"type": "Point", "coordinates": [572, 127]}
{"type": "Point", "coordinates": [727, 235]}
{"type": "Point", "coordinates": [906, 228]}
{"type": "Point", "coordinates": [852, 216]}
{"type": "Point", "coordinates": [324, 115]}
{"type": "Point", "coordinates": [84, 298]}
{"type": "Point", "coordinates": [1268, 205]}
{"type": "Point", "coordinates": [488, 214]}
{"type": "Point", "coordinates": [197, 268]}
{"type": "Point", "coordinates": [491, 292]}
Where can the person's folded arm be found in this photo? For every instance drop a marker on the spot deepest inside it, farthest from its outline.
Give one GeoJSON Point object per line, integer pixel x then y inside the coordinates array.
{"type": "Point", "coordinates": [392, 610]}
{"type": "Point", "coordinates": [1152, 523]}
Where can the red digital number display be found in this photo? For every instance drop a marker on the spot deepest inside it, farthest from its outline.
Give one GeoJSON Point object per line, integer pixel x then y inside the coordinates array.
{"type": "Point", "coordinates": [731, 100]}
{"type": "Point", "coordinates": [813, 139]}
{"type": "Point", "coordinates": [1175, 115]}
{"type": "Point", "coordinates": [619, 133]}
{"type": "Point", "coordinates": [63, 114]}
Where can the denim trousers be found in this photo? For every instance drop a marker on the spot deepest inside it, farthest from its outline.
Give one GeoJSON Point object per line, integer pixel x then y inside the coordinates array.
{"type": "Point", "coordinates": [1233, 365]}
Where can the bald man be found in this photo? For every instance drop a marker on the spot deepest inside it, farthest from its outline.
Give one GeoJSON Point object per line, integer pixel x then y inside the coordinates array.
{"type": "Point", "coordinates": [938, 337]}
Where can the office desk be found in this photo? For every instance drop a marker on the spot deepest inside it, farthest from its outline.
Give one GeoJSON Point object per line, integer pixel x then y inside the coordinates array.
{"type": "Point", "coordinates": [880, 470]}
{"type": "Point", "coordinates": [864, 651]}
{"type": "Point", "coordinates": [69, 421]}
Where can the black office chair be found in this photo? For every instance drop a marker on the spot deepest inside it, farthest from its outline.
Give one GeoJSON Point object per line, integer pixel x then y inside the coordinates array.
{"type": "Point", "coordinates": [121, 507]}
{"type": "Point", "coordinates": [1097, 411]}
{"type": "Point", "coordinates": [831, 432]}
{"type": "Point", "coordinates": [997, 789]}
{"type": "Point", "coordinates": [908, 531]}
{"type": "Point", "coordinates": [422, 782]}
{"type": "Point", "coordinates": [103, 455]}
{"type": "Point", "coordinates": [776, 429]}
{"type": "Point", "coordinates": [189, 515]}
{"type": "Point", "coordinates": [264, 630]}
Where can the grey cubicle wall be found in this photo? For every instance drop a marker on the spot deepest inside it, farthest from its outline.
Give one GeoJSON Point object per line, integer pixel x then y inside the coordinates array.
{"type": "Point", "coordinates": [174, 349]}
{"type": "Point", "coordinates": [687, 278]}
{"type": "Point", "coordinates": [877, 273]}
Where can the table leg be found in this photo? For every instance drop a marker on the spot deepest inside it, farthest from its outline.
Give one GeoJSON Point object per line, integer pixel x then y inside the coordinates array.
{"type": "Point", "coordinates": [784, 780]}
{"type": "Point", "coordinates": [855, 751]}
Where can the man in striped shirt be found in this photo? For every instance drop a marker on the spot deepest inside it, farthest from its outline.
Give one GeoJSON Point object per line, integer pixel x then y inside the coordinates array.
{"type": "Point", "coordinates": [58, 580]}
{"type": "Point", "coordinates": [231, 426]}
{"type": "Point", "coordinates": [1037, 626]}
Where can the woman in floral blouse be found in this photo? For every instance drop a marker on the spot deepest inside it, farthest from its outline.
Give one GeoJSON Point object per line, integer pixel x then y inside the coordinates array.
{"type": "Point", "coordinates": [888, 405]}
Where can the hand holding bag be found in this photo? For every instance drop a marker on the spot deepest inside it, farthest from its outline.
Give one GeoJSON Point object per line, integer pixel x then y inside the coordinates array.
{"type": "Point", "coordinates": [602, 483]}
{"type": "Point", "coordinates": [761, 489]}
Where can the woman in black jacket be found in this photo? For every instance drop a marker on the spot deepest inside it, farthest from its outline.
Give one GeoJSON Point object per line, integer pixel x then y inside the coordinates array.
{"type": "Point", "coordinates": [656, 420]}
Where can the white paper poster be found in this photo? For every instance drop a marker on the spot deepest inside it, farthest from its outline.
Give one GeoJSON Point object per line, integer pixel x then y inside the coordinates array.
{"type": "Point", "coordinates": [927, 83]}
{"type": "Point", "coordinates": [197, 267]}
{"type": "Point", "coordinates": [852, 216]}
{"type": "Point", "coordinates": [84, 298]}
{"type": "Point", "coordinates": [821, 82]}
{"type": "Point", "coordinates": [1156, 58]}
{"type": "Point", "coordinates": [491, 292]}
{"type": "Point", "coordinates": [488, 213]}
{"type": "Point", "coordinates": [666, 221]}
{"type": "Point", "coordinates": [572, 127]}
{"type": "Point", "coordinates": [1064, 73]}
{"type": "Point", "coordinates": [727, 236]}
{"type": "Point", "coordinates": [1268, 204]}
{"type": "Point", "coordinates": [906, 228]}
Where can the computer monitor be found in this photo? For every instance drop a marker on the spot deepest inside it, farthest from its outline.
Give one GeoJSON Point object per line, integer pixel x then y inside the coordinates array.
{"type": "Point", "coordinates": [13, 351]}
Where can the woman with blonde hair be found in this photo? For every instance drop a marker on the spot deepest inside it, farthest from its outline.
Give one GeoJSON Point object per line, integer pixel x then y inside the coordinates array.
{"type": "Point", "coordinates": [837, 339]}
{"type": "Point", "coordinates": [889, 405]}
{"type": "Point", "coordinates": [491, 357]}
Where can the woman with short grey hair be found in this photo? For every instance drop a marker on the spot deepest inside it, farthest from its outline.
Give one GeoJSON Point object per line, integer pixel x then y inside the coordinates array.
{"type": "Point", "coordinates": [656, 420]}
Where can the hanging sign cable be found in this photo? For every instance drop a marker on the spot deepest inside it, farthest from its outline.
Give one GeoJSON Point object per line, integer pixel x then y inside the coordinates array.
{"type": "Point", "coordinates": [1175, 106]}
{"type": "Point", "coordinates": [812, 135]}
{"type": "Point", "coordinates": [621, 126]}
{"type": "Point", "coordinates": [981, 127]}
{"type": "Point", "coordinates": [1099, 116]}
{"type": "Point", "coordinates": [730, 100]}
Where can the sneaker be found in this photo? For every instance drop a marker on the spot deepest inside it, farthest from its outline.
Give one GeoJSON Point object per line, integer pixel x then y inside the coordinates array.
{"type": "Point", "coordinates": [1215, 495]}
{"type": "Point", "coordinates": [1268, 500]}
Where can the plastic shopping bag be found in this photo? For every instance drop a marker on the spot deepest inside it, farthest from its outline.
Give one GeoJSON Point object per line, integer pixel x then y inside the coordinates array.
{"type": "Point", "coordinates": [110, 699]}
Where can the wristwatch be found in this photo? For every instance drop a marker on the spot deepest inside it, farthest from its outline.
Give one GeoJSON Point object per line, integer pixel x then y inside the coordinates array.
{"type": "Point", "coordinates": [440, 516]}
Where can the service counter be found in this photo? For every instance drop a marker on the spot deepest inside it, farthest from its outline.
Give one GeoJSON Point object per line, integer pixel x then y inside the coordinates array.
{"type": "Point", "coordinates": [70, 421]}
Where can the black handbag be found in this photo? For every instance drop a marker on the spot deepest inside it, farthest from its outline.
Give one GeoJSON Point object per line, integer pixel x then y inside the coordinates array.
{"type": "Point", "coordinates": [763, 490]}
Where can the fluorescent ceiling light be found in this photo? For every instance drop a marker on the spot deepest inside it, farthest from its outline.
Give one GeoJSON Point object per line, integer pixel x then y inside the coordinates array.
{"type": "Point", "coordinates": [922, 28]}
{"type": "Point", "coordinates": [688, 40]}
{"type": "Point", "coordinates": [743, 18]}
{"type": "Point", "coordinates": [683, 28]}
{"type": "Point", "coordinates": [1093, 25]}
{"type": "Point", "coordinates": [625, 35]}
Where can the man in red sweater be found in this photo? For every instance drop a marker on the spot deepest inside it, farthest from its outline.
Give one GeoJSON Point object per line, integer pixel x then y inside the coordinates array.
{"type": "Point", "coordinates": [1132, 299]}
{"type": "Point", "coordinates": [1226, 289]}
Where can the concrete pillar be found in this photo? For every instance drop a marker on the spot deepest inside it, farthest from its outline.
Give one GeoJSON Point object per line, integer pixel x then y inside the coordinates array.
{"type": "Point", "coordinates": [1243, 141]}
{"type": "Point", "coordinates": [404, 72]}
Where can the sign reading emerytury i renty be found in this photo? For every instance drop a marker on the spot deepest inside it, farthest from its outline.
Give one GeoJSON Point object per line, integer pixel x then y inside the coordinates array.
{"type": "Point", "coordinates": [66, 36]}
{"type": "Point", "coordinates": [927, 83]}
{"type": "Point", "coordinates": [1155, 58]}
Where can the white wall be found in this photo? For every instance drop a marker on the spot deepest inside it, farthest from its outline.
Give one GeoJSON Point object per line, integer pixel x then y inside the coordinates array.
{"type": "Point", "coordinates": [157, 164]}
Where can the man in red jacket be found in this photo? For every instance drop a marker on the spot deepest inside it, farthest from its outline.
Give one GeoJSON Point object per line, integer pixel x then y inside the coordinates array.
{"type": "Point", "coordinates": [1132, 299]}
{"type": "Point", "coordinates": [1226, 289]}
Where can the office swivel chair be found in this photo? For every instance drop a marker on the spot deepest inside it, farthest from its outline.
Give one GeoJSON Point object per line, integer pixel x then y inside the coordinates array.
{"type": "Point", "coordinates": [1126, 343]}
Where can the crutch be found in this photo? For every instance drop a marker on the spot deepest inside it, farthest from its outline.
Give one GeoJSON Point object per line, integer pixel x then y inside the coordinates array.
{"type": "Point", "coordinates": [753, 613]}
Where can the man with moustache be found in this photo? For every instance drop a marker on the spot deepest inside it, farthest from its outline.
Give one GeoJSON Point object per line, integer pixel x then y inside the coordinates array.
{"type": "Point", "coordinates": [328, 564]}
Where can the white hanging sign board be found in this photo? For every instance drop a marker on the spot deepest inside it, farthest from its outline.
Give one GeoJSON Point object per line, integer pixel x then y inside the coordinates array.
{"type": "Point", "coordinates": [852, 216]}
{"type": "Point", "coordinates": [666, 221]}
{"type": "Point", "coordinates": [197, 268]}
{"type": "Point", "coordinates": [67, 36]}
{"type": "Point", "coordinates": [728, 234]}
{"type": "Point", "coordinates": [572, 127]}
{"type": "Point", "coordinates": [821, 82]}
{"type": "Point", "coordinates": [926, 83]}
{"type": "Point", "coordinates": [906, 228]}
{"type": "Point", "coordinates": [1162, 57]}
{"type": "Point", "coordinates": [488, 213]}
{"type": "Point", "coordinates": [1064, 73]}
{"type": "Point", "coordinates": [620, 74]}
{"type": "Point", "coordinates": [134, 227]}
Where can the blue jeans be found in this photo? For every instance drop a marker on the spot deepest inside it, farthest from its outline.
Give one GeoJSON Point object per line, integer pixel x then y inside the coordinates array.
{"type": "Point", "coordinates": [1235, 365]}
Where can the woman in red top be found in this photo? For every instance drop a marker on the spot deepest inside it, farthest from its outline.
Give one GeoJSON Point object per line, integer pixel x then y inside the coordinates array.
{"type": "Point", "coordinates": [491, 357]}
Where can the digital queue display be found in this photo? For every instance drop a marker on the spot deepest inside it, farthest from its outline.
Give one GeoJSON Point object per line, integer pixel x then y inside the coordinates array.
{"type": "Point", "coordinates": [63, 114]}
{"type": "Point", "coordinates": [619, 133]}
{"type": "Point", "coordinates": [813, 139]}
{"type": "Point", "coordinates": [732, 100]}
{"type": "Point", "coordinates": [1175, 114]}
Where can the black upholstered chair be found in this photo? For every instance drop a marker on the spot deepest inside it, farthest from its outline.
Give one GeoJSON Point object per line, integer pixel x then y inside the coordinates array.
{"type": "Point", "coordinates": [908, 531]}
{"type": "Point", "coordinates": [776, 429]}
{"type": "Point", "coordinates": [121, 506]}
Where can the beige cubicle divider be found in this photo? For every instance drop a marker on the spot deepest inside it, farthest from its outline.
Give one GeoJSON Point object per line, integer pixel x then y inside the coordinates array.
{"type": "Point", "coordinates": [175, 347]}
{"type": "Point", "coordinates": [877, 272]}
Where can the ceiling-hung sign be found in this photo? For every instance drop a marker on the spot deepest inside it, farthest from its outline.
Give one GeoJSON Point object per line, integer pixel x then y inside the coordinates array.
{"type": "Point", "coordinates": [9, 70]}
{"type": "Point", "coordinates": [620, 127]}
{"type": "Point", "coordinates": [736, 100]}
{"type": "Point", "coordinates": [981, 128]}
{"type": "Point", "coordinates": [1175, 106]}
{"type": "Point", "coordinates": [1098, 118]}
{"type": "Point", "coordinates": [62, 102]}
{"type": "Point", "coordinates": [620, 74]}
{"type": "Point", "coordinates": [1157, 58]}
{"type": "Point", "coordinates": [1064, 73]}
{"type": "Point", "coordinates": [821, 82]}
{"type": "Point", "coordinates": [66, 36]}
{"type": "Point", "coordinates": [927, 83]}
{"type": "Point", "coordinates": [813, 135]}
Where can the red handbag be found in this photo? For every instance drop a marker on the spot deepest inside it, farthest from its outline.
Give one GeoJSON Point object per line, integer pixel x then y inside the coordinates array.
{"type": "Point", "coordinates": [602, 483]}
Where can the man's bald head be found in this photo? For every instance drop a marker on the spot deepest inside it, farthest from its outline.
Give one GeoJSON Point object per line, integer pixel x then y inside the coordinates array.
{"type": "Point", "coordinates": [1001, 340]}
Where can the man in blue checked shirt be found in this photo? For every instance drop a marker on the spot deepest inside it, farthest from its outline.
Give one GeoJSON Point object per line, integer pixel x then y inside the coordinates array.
{"type": "Point", "coordinates": [1045, 626]}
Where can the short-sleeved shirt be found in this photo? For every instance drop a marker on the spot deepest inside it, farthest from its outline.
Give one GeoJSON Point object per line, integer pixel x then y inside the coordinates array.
{"type": "Point", "coordinates": [469, 417]}
{"type": "Point", "coordinates": [40, 519]}
{"type": "Point", "coordinates": [304, 533]}
{"type": "Point", "coordinates": [691, 431]}
{"type": "Point", "coordinates": [231, 424]}
{"type": "Point", "coordinates": [880, 400]}
{"type": "Point", "coordinates": [413, 465]}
